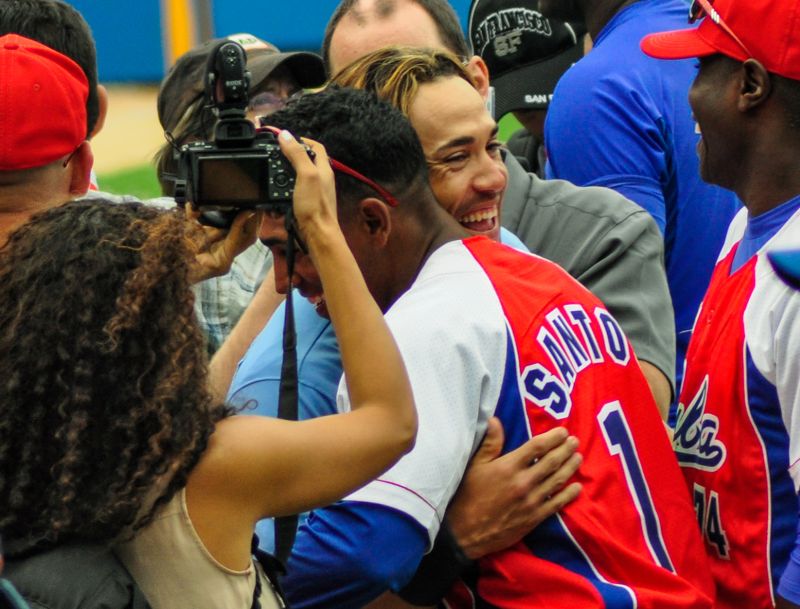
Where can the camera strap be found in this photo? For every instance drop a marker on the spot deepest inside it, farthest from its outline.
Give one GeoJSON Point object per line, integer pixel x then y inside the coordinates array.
{"type": "Point", "coordinates": [286, 526]}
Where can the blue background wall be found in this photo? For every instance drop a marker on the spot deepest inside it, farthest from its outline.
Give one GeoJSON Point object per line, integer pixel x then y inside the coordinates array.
{"type": "Point", "coordinates": [129, 39]}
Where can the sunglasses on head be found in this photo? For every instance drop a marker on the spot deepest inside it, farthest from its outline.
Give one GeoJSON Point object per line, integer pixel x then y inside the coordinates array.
{"type": "Point", "coordinates": [700, 9]}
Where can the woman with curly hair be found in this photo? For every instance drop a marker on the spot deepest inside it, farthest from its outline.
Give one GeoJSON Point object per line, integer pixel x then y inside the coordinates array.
{"type": "Point", "coordinates": [108, 431]}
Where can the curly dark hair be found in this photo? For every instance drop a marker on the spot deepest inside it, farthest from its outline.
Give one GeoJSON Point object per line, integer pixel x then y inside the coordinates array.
{"type": "Point", "coordinates": [104, 402]}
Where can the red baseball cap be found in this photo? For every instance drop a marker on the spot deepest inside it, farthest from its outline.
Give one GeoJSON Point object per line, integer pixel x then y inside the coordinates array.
{"type": "Point", "coordinates": [42, 104]}
{"type": "Point", "coordinates": [769, 29]}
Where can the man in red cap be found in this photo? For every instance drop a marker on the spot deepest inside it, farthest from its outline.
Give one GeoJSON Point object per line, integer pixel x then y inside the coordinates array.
{"type": "Point", "coordinates": [40, 121]}
{"type": "Point", "coordinates": [737, 436]}
{"type": "Point", "coordinates": [43, 162]}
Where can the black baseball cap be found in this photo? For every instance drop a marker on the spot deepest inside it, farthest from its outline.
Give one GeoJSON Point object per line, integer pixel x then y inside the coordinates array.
{"type": "Point", "coordinates": [526, 53]}
{"type": "Point", "coordinates": [184, 83]}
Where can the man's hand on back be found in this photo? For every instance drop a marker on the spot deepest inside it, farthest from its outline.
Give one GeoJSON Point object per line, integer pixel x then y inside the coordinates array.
{"type": "Point", "coordinates": [502, 498]}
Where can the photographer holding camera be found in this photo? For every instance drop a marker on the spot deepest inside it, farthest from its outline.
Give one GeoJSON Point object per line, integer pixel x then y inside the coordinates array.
{"type": "Point", "coordinates": [235, 269]}
{"type": "Point", "coordinates": [110, 433]}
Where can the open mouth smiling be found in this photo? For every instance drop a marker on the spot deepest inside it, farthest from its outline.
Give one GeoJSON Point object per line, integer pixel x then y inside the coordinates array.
{"type": "Point", "coordinates": [480, 221]}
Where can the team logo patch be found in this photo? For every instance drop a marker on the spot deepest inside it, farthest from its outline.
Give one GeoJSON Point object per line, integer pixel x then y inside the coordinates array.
{"type": "Point", "coordinates": [695, 439]}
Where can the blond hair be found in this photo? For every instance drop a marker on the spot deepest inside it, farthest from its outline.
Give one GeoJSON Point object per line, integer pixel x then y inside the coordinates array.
{"type": "Point", "coordinates": [395, 74]}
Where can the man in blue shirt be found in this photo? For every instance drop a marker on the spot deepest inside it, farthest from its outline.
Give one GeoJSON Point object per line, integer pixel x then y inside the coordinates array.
{"type": "Point", "coordinates": [621, 119]}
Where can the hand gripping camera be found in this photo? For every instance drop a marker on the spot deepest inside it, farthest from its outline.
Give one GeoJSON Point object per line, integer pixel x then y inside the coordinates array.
{"type": "Point", "coordinates": [242, 168]}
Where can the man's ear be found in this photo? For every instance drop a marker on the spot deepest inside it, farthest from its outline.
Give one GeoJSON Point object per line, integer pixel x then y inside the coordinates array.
{"type": "Point", "coordinates": [102, 103]}
{"type": "Point", "coordinates": [756, 85]}
{"type": "Point", "coordinates": [80, 168]}
{"type": "Point", "coordinates": [479, 71]}
{"type": "Point", "coordinates": [375, 219]}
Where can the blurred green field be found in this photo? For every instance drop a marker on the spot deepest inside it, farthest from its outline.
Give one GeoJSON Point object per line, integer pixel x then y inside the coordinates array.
{"type": "Point", "coordinates": [138, 181]}
{"type": "Point", "coordinates": [141, 181]}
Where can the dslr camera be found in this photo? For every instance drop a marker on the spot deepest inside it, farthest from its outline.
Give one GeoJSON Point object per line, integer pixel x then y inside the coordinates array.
{"type": "Point", "coordinates": [243, 167]}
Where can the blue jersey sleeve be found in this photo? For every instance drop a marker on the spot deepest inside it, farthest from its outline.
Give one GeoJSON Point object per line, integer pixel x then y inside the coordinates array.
{"type": "Point", "coordinates": [789, 586]}
{"type": "Point", "coordinates": [350, 553]}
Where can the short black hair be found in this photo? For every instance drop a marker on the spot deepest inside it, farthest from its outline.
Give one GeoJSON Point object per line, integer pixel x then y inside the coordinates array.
{"type": "Point", "coordinates": [62, 28]}
{"type": "Point", "coordinates": [441, 12]}
{"type": "Point", "coordinates": [365, 133]}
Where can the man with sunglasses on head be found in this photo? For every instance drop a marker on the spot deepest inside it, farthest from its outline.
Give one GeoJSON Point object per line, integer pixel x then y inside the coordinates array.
{"type": "Point", "coordinates": [621, 119]}
{"type": "Point", "coordinates": [738, 424]}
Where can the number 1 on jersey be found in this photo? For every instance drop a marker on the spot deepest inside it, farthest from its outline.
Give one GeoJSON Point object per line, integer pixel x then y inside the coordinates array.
{"type": "Point", "coordinates": [620, 443]}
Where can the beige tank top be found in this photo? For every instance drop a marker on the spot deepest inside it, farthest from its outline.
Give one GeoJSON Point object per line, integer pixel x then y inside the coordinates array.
{"type": "Point", "coordinates": [175, 571]}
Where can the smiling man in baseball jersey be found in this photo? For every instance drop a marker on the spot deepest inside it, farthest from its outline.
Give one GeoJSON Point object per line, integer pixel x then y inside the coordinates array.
{"type": "Point", "coordinates": [738, 426]}
{"type": "Point", "coordinates": [485, 330]}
